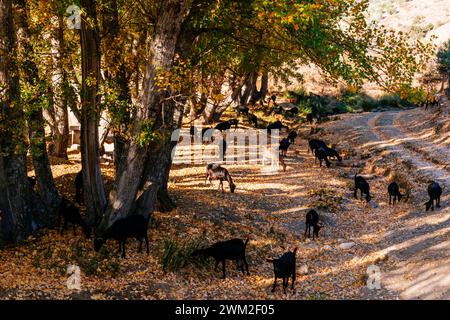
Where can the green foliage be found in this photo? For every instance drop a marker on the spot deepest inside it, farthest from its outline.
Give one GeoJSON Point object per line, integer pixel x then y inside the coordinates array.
{"type": "Point", "coordinates": [147, 135]}
{"type": "Point", "coordinates": [443, 58]}
{"type": "Point", "coordinates": [177, 255]}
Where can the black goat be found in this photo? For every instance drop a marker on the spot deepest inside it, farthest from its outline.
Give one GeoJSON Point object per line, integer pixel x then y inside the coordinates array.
{"type": "Point", "coordinates": [277, 125]}
{"type": "Point", "coordinates": [226, 125]}
{"type": "Point", "coordinates": [435, 192]}
{"type": "Point", "coordinates": [292, 136]}
{"type": "Point", "coordinates": [312, 221]}
{"type": "Point", "coordinates": [285, 267]}
{"type": "Point", "coordinates": [321, 154]}
{"type": "Point", "coordinates": [216, 172]}
{"type": "Point", "coordinates": [315, 143]}
{"type": "Point", "coordinates": [32, 181]}
{"type": "Point", "coordinates": [332, 153]}
{"type": "Point", "coordinates": [70, 213]}
{"type": "Point", "coordinates": [134, 226]}
{"type": "Point", "coordinates": [363, 185]}
{"type": "Point", "coordinates": [284, 146]}
{"type": "Point", "coordinates": [79, 187]}
{"type": "Point", "coordinates": [394, 191]}
{"type": "Point", "coordinates": [221, 251]}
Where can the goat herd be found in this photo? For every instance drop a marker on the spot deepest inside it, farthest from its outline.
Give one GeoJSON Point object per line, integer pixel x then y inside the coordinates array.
{"type": "Point", "coordinates": [135, 226]}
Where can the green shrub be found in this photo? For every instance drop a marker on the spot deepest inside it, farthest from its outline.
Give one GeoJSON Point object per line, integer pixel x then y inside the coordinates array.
{"type": "Point", "coordinates": [367, 103]}
{"type": "Point", "coordinates": [177, 255]}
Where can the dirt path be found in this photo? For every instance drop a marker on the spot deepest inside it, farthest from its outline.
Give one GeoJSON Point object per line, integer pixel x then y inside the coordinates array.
{"type": "Point", "coordinates": [420, 244]}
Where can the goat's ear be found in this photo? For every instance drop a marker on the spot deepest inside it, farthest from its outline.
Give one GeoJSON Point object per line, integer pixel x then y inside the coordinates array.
{"type": "Point", "coordinates": [295, 251]}
{"type": "Point", "coordinates": [269, 260]}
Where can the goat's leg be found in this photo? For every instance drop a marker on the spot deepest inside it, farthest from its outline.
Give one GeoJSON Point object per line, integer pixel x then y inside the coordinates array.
{"type": "Point", "coordinates": [64, 226]}
{"type": "Point", "coordinates": [140, 245]}
{"type": "Point", "coordinates": [438, 202]}
{"type": "Point", "coordinates": [216, 265]}
{"type": "Point", "coordinates": [223, 268]}
{"type": "Point", "coordinates": [274, 284]}
{"type": "Point", "coordinates": [361, 194]}
{"type": "Point", "coordinates": [293, 280]}
{"type": "Point", "coordinates": [356, 193]}
{"type": "Point", "coordinates": [123, 248]}
{"type": "Point", "coordinates": [146, 244]}
{"type": "Point", "coordinates": [285, 284]}
{"type": "Point", "coordinates": [246, 266]}
{"type": "Point", "coordinates": [74, 229]}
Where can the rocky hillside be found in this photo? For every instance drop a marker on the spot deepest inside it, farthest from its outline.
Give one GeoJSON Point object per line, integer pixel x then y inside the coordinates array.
{"type": "Point", "coordinates": [422, 19]}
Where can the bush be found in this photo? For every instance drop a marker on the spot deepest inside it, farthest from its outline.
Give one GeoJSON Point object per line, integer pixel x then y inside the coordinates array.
{"type": "Point", "coordinates": [367, 103]}
{"type": "Point", "coordinates": [177, 255]}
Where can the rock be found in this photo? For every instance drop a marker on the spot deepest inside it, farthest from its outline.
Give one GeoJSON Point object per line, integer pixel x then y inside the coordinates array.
{"type": "Point", "coordinates": [373, 204]}
{"type": "Point", "coordinates": [327, 248]}
{"type": "Point", "coordinates": [346, 245]}
{"type": "Point", "coordinates": [303, 269]}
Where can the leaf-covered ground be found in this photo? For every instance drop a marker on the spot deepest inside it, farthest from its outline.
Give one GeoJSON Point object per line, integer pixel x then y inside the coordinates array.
{"type": "Point", "coordinates": [270, 210]}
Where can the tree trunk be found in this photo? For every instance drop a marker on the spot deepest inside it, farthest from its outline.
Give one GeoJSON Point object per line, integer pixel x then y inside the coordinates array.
{"type": "Point", "coordinates": [250, 85]}
{"type": "Point", "coordinates": [59, 110]}
{"type": "Point", "coordinates": [46, 185]}
{"type": "Point", "coordinates": [15, 191]}
{"type": "Point", "coordinates": [94, 191]}
{"type": "Point", "coordinates": [144, 161]}
{"type": "Point", "coordinates": [264, 85]}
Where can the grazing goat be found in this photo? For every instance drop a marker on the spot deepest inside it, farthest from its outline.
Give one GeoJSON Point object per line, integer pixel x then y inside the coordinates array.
{"type": "Point", "coordinates": [394, 191]}
{"type": "Point", "coordinates": [216, 172]}
{"type": "Point", "coordinates": [285, 267]}
{"type": "Point", "coordinates": [276, 125]}
{"type": "Point", "coordinates": [32, 181]}
{"type": "Point", "coordinates": [253, 120]}
{"type": "Point", "coordinates": [221, 251]}
{"type": "Point", "coordinates": [321, 154]}
{"type": "Point", "coordinates": [284, 146]}
{"type": "Point", "coordinates": [134, 226]}
{"type": "Point", "coordinates": [79, 187]}
{"type": "Point", "coordinates": [292, 136]}
{"type": "Point", "coordinates": [435, 192]}
{"type": "Point", "coordinates": [363, 185]}
{"type": "Point", "coordinates": [312, 221]}
{"type": "Point", "coordinates": [70, 213]}
{"type": "Point", "coordinates": [332, 153]}
{"type": "Point", "coordinates": [226, 125]}
{"type": "Point", "coordinates": [315, 143]}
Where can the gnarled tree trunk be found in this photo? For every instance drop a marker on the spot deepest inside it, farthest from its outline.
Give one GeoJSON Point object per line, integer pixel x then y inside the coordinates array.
{"type": "Point", "coordinates": [58, 116]}
{"type": "Point", "coordinates": [46, 185]}
{"type": "Point", "coordinates": [137, 185]}
{"type": "Point", "coordinates": [94, 191]}
{"type": "Point", "coordinates": [16, 203]}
